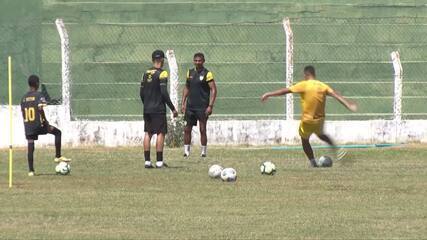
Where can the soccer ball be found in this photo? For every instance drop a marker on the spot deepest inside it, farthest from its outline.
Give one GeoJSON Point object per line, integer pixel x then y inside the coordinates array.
{"type": "Point", "coordinates": [228, 175]}
{"type": "Point", "coordinates": [215, 171]}
{"type": "Point", "coordinates": [324, 161]}
{"type": "Point", "coordinates": [63, 168]}
{"type": "Point", "coordinates": [268, 168]}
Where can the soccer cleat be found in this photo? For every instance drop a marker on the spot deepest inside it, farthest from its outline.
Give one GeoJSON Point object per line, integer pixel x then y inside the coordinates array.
{"type": "Point", "coordinates": [159, 164]}
{"type": "Point", "coordinates": [204, 151]}
{"type": "Point", "coordinates": [148, 164]}
{"type": "Point", "coordinates": [313, 163]}
{"type": "Point", "coordinates": [31, 174]}
{"type": "Point", "coordinates": [186, 150]}
{"type": "Point", "coordinates": [62, 159]}
{"type": "Point", "coordinates": [341, 154]}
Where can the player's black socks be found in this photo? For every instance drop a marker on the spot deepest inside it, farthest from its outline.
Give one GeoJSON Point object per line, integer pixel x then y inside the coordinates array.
{"type": "Point", "coordinates": [147, 155]}
{"type": "Point", "coordinates": [30, 156]}
{"type": "Point", "coordinates": [57, 133]}
{"type": "Point", "coordinates": [159, 156]}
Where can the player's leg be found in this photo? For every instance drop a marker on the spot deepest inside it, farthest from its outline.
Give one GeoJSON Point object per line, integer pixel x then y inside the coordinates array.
{"type": "Point", "coordinates": [161, 130]}
{"type": "Point", "coordinates": [147, 143]}
{"type": "Point", "coordinates": [308, 150]}
{"type": "Point", "coordinates": [340, 153]}
{"type": "Point", "coordinates": [327, 139]}
{"type": "Point", "coordinates": [187, 139]}
{"type": "Point", "coordinates": [160, 142]}
{"type": "Point", "coordinates": [203, 136]}
{"type": "Point", "coordinates": [30, 157]}
{"type": "Point", "coordinates": [148, 129]}
{"type": "Point", "coordinates": [305, 131]}
{"type": "Point", "coordinates": [191, 121]}
{"type": "Point", "coordinates": [58, 135]}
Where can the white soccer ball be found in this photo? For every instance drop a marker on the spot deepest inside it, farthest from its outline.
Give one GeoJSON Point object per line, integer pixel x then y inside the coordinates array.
{"type": "Point", "coordinates": [324, 161]}
{"type": "Point", "coordinates": [215, 171]}
{"type": "Point", "coordinates": [63, 168]}
{"type": "Point", "coordinates": [228, 175]}
{"type": "Point", "coordinates": [268, 168]}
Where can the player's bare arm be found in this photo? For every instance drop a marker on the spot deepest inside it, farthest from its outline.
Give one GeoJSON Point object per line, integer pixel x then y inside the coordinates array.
{"type": "Point", "coordinates": [166, 97]}
{"type": "Point", "coordinates": [212, 99]}
{"type": "Point", "coordinates": [278, 92]}
{"type": "Point", "coordinates": [350, 105]}
{"type": "Point", "coordinates": [185, 93]}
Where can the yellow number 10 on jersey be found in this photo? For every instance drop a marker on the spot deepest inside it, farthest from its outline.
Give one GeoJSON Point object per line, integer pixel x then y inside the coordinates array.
{"type": "Point", "coordinates": [29, 114]}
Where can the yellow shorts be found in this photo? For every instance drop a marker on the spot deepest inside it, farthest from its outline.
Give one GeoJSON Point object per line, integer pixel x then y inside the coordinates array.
{"type": "Point", "coordinates": [306, 129]}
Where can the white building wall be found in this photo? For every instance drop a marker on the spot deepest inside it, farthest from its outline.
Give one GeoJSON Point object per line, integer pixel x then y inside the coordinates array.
{"type": "Point", "coordinates": [231, 132]}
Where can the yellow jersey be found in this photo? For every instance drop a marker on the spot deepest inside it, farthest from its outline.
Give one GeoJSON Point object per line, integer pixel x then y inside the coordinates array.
{"type": "Point", "coordinates": [313, 99]}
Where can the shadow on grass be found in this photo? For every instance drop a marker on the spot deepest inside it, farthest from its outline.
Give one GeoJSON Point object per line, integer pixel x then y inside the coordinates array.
{"type": "Point", "coordinates": [173, 167]}
{"type": "Point", "coordinates": [48, 174]}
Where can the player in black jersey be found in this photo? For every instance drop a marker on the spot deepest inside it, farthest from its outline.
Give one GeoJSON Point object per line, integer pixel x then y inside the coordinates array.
{"type": "Point", "coordinates": [36, 124]}
{"type": "Point", "coordinates": [154, 97]}
{"type": "Point", "coordinates": [198, 99]}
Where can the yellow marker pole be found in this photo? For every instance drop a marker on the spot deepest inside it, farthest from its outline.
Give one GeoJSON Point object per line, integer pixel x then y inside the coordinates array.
{"type": "Point", "coordinates": [9, 63]}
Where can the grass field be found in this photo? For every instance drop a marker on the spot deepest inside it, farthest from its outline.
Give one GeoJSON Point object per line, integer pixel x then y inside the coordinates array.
{"type": "Point", "coordinates": [374, 193]}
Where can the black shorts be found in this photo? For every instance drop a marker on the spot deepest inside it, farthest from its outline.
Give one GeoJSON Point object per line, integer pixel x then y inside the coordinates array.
{"type": "Point", "coordinates": [40, 131]}
{"type": "Point", "coordinates": [155, 123]}
{"type": "Point", "coordinates": [192, 116]}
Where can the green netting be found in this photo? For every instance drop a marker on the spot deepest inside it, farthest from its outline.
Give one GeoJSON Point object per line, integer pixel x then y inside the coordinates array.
{"type": "Point", "coordinates": [20, 38]}
{"type": "Point", "coordinates": [352, 55]}
{"type": "Point", "coordinates": [245, 50]}
{"type": "Point", "coordinates": [108, 61]}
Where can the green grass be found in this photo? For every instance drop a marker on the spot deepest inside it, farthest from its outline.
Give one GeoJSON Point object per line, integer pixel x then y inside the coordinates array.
{"type": "Point", "coordinates": [375, 193]}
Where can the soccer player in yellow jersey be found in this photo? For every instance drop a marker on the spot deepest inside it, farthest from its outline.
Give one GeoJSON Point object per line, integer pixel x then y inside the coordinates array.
{"type": "Point", "coordinates": [313, 100]}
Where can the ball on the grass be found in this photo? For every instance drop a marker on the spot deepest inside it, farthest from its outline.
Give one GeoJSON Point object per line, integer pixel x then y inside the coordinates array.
{"type": "Point", "coordinates": [228, 175]}
{"type": "Point", "coordinates": [63, 168]}
{"type": "Point", "coordinates": [324, 161]}
{"type": "Point", "coordinates": [268, 168]}
{"type": "Point", "coordinates": [215, 171]}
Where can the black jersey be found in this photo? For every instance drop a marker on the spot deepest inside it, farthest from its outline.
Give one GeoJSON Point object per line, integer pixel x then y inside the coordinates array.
{"type": "Point", "coordinates": [199, 90]}
{"type": "Point", "coordinates": [31, 104]}
{"type": "Point", "coordinates": [154, 94]}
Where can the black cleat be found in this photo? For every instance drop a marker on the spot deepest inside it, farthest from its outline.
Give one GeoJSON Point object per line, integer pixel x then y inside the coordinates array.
{"type": "Point", "coordinates": [313, 163]}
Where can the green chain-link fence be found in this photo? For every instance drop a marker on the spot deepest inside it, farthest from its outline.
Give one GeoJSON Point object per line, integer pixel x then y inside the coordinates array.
{"type": "Point", "coordinates": [353, 56]}
{"type": "Point", "coordinates": [109, 60]}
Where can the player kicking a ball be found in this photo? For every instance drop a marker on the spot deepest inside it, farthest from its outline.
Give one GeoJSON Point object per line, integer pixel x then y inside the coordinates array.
{"type": "Point", "coordinates": [198, 99]}
{"type": "Point", "coordinates": [154, 97]}
{"type": "Point", "coordinates": [36, 124]}
{"type": "Point", "coordinates": [313, 100]}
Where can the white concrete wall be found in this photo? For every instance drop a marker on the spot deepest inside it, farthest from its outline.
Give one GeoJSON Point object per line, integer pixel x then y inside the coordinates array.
{"type": "Point", "coordinates": [232, 132]}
